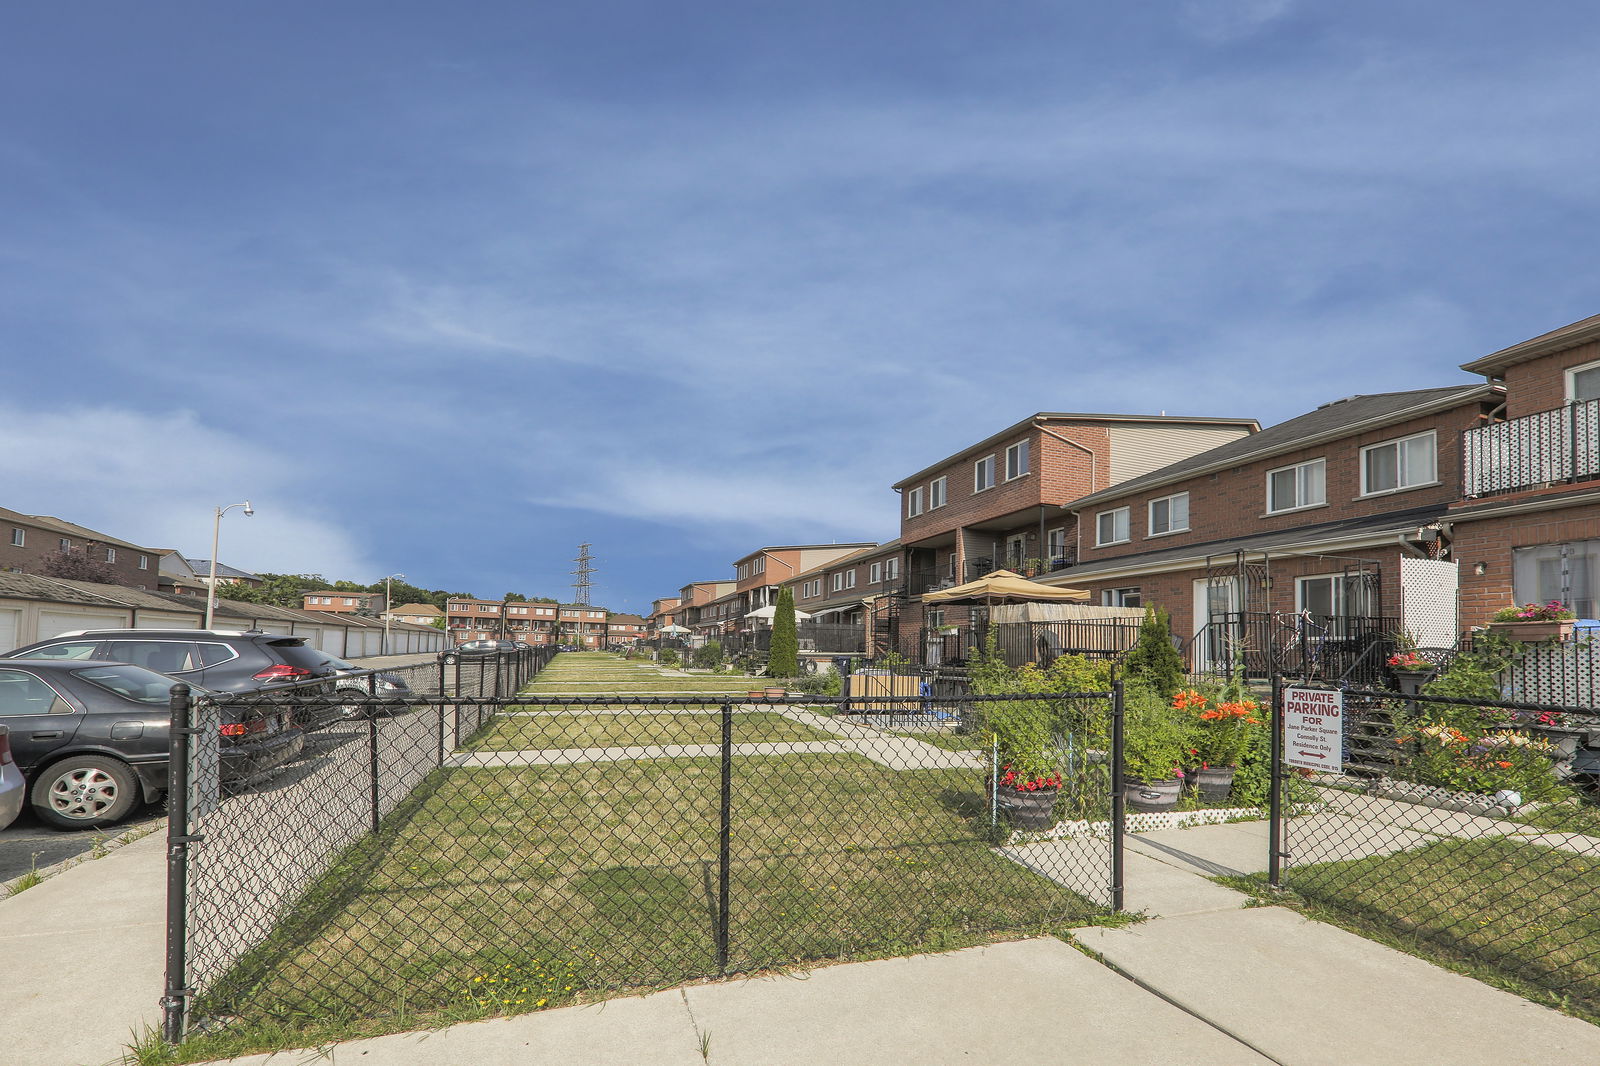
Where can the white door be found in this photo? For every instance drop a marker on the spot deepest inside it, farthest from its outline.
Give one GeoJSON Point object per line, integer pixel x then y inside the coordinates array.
{"type": "Point", "coordinates": [54, 623]}
{"type": "Point", "coordinates": [1216, 623]}
{"type": "Point", "coordinates": [8, 629]}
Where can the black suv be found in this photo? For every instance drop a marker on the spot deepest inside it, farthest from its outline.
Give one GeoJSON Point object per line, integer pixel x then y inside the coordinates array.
{"type": "Point", "coordinates": [220, 660]}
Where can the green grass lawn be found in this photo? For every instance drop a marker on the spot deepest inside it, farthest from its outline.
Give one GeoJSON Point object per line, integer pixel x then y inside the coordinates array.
{"type": "Point", "coordinates": [508, 890]}
{"type": "Point", "coordinates": [1516, 915]}
{"type": "Point", "coordinates": [588, 730]}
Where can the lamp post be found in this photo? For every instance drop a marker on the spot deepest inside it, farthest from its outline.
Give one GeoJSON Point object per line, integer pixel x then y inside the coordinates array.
{"type": "Point", "coordinates": [216, 531]}
{"type": "Point", "coordinates": [388, 608]}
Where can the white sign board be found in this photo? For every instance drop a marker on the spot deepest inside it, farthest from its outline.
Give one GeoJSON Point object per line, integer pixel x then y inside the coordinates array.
{"type": "Point", "coordinates": [1313, 720]}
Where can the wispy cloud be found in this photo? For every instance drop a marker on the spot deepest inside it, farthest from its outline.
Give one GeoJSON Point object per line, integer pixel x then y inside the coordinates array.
{"type": "Point", "coordinates": [1224, 21]}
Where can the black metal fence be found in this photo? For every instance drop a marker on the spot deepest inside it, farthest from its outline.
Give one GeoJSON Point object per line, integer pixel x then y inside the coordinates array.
{"type": "Point", "coordinates": [447, 857]}
{"type": "Point", "coordinates": [820, 637]}
{"type": "Point", "coordinates": [1466, 830]}
{"type": "Point", "coordinates": [1032, 642]}
{"type": "Point", "coordinates": [1347, 650]}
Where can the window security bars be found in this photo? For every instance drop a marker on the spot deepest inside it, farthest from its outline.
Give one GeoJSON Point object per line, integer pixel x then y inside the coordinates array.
{"type": "Point", "coordinates": [1467, 829]}
{"type": "Point", "coordinates": [461, 856]}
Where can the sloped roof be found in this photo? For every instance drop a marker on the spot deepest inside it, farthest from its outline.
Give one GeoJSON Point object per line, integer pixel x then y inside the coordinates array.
{"type": "Point", "coordinates": [415, 608]}
{"type": "Point", "coordinates": [626, 619]}
{"type": "Point", "coordinates": [1568, 336]}
{"type": "Point", "coordinates": [92, 593]}
{"type": "Point", "coordinates": [72, 529]}
{"type": "Point", "coordinates": [1339, 418]}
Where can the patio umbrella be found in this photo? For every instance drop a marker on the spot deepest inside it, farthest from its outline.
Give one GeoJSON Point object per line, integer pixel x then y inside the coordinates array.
{"type": "Point", "coordinates": [1001, 586]}
{"type": "Point", "coordinates": [766, 613]}
{"type": "Point", "coordinates": [673, 629]}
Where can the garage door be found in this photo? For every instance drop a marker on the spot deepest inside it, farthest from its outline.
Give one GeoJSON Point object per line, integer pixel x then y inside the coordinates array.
{"type": "Point", "coordinates": [8, 629]}
{"type": "Point", "coordinates": [54, 623]}
{"type": "Point", "coordinates": [148, 620]}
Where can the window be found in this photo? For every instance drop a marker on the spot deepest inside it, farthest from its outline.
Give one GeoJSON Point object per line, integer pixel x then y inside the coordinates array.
{"type": "Point", "coordinates": [66, 545]}
{"type": "Point", "coordinates": [1016, 550]}
{"type": "Point", "coordinates": [983, 474]}
{"type": "Point", "coordinates": [891, 569]}
{"type": "Point", "coordinates": [23, 693]}
{"type": "Point", "coordinates": [1583, 383]}
{"type": "Point", "coordinates": [1124, 597]}
{"type": "Point", "coordinates": [913, 502]}
{"type": "Point", "coordinates": [483, 608]}
{"type": "Point", "coordinates": [1170, 514]}
{"type": "Point", "coordinates": [935, 617]}
{"type": "Point", "coordinates": [1398, 464]}
{"type": "Point", "coordinates": [838, 582]}
{"type": "Point", "coordinates": [849, 579]}
{"type": "Point", "coordinates": [759, 565]}
{"type": "Point", "coordinates": [1567, 572]}
{"type": "Point", "coordinates": [874, 573]}
{"type": "Point", "coordinates": [1336, 596]}
{"type": "Point", "coordinates": [144, 562]}
{"type": "Point", "coordinates": [111, 555]}
{"type": "Point", "coordinates": [1055, 545]}
{"type": "Point", "coordinates": [1301, 485]}
{"type": "Point", "coordinates": [1017, 460]}
{"type": "Point", "coordinates": [1111, 527]}
{"type": "Point", "coordinates": [19, 537]}
{"type": "Point", "coordinates": [936, 493]}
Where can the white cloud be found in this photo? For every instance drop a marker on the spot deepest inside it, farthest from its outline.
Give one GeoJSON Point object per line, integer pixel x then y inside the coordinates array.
{"type": "Point", "coordinates": [156, 480]}
{"type": "Point", "coordinates": [1224, 21]}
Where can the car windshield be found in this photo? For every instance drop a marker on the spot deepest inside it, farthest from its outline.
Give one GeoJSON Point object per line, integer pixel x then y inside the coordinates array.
{"type": "Point", "coordinates": [130, 682]}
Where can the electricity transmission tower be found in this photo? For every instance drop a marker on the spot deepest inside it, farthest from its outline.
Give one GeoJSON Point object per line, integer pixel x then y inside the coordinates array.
{"type": "Point", "coordinates": [581, 587]}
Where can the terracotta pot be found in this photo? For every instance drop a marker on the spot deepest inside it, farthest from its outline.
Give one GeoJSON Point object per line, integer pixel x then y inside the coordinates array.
{"type": "Point", "coordinates": [776, 693]}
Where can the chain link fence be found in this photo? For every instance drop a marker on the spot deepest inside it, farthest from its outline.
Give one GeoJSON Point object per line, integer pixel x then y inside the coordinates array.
{"type": "Point", "coordinates": [460, 856]}
{"type": "Point", "coordinates": [1467, 830]}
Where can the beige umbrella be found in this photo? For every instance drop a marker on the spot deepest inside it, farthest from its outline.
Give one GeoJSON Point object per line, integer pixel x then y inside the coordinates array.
{"type": "Point", "coordinates": [1001, 586]}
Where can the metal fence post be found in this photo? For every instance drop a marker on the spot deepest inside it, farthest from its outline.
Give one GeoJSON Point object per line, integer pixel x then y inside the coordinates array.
{"type": "Point", "coordinates": [174, 1003]}
{"type": "Point", "coordinates": [1275, 790]}
{"type": "Point", "coordinates": [372, 767]}
{"type": "Point", "coordinates": [1119, 799]}
{"type": "Point", "coordinates": [441, 733]}
{"type": "Point", "coordinates": [725, 839]}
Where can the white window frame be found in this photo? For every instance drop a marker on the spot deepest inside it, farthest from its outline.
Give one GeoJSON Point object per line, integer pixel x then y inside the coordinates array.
{"type": "Point", "coordinates": [1055, 544]}
{"type": "Point", "coordinates": [64, 544]}
{"type": "Point", "coordinates": [1401, 482]}
{"type": "Point", "coordinates": [1119, 597]}
{"type": "Point", "coordinates": [111, 555]}
{"type": "Point", "coordinates": [1017, 460]}
{"type": "Point", "coordinates": [938, 492]}
{"type": "Point", "coordinates": [838, 581]}
{"type": "Point", "coordinates": [983, 474]}
{"type": "Point", "coordinates": [935, 618]}
{"type": "Point", "coordinates": [891, 569]}
{"type": "Point", "coordinates": [1299, 485]}
{"type": "Point", "coordinates": [1150, 515]}
{"type": "Point", "coordinates": [19, 537]}
{"type": "Point", "coordinates": [1572, 378]}
{"type": "Point", "coordinates": [1099, 530]}
{"type": "Point", "coordinates": [144, 562]}
{"type": "Point", "coordinates": [914, 502]}
{"type": "Point", "coordinates": [874, 573]}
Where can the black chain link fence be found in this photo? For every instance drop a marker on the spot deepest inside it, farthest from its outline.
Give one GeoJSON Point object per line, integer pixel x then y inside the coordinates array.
{"type": "Point", "coordinates": [443, 858]}
{"type": "Point", "coordinates": [1466, 830]}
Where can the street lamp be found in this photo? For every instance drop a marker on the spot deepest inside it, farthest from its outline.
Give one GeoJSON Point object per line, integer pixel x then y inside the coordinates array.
{"type": "Point", "coordinates": [388, 608]}
{"type": "Point", "coordinates": [216, 530]}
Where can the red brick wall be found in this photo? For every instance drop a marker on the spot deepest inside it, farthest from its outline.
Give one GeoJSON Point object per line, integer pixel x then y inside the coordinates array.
{"type": "Point", "coordinates": [1490, 541]}
{"type": "Point", "coordinates": [1541, 384]}
{"type": "Point", "coordinates": [40, 545]}
{"type": "Point", "coordinates": [1232, 503]}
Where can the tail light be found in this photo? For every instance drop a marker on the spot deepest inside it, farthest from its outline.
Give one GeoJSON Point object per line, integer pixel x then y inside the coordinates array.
{"type": "Point", "coordinates": [244, 729]}
{"type": "Point", "coordinates": [282, 672]}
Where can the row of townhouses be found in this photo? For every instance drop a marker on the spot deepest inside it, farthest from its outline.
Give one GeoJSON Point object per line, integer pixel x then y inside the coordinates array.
{"type": "Point", "coordinates": [1424, 511]}
{"type": "Point", "coordinates": [575, 624]}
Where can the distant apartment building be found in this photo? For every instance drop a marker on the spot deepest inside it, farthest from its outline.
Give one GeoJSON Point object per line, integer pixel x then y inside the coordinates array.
{"type": "Point", "coordinates": [583, 625]}
{"type": "Point", "coordinates": [30, 544]}
{"type": "Point", "coordinates": [336, 602]}
{"type": "Point", "coordinates": [626, 629]}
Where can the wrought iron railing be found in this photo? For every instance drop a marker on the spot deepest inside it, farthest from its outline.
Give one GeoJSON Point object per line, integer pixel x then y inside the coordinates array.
{"type": "Point", "coordinates": [1348, 649]}
{"type": "Point", "coordinates": [1549, 448]}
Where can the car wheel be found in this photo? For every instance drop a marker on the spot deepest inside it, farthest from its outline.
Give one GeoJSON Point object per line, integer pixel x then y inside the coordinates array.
{"type": "Point", "coordinates": [352, 711]}
{"type": "Point", "coordinates": [84, 792]}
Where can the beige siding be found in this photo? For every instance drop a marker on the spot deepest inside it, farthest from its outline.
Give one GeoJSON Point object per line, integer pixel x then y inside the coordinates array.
{"type": "Point", "coordinates": [1138, 449]}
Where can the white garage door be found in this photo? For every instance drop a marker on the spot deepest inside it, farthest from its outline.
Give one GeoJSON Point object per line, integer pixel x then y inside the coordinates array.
{"type": "Point", "coordinates": [54, 623]}
{"type": "Point", "coordinates": [8, 629]}
{"type": "Point", "coordinates": [149, 620]}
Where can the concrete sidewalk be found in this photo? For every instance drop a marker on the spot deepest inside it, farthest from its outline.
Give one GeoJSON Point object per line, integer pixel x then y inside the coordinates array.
{"type": "Point", "coordinates": [1206, 981]}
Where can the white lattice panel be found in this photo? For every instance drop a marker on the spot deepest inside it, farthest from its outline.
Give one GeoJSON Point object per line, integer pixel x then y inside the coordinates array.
{"type": "Point", "coordinates": [1566, 674]}
{"type": "Point", "coordinates": [1428, 601]}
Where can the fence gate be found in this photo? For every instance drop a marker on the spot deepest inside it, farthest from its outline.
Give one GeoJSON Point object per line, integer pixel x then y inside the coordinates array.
{"type": "Point", "coordinates": [1465, 827]}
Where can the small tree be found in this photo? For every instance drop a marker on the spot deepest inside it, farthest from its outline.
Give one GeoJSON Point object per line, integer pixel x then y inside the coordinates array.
{"type": "Point", "coordinates": [76, 564]}
{"type": "Point", "coordinates": [783, 660]}
{"type": "Point", "coordinates": [1154, 662]}
{"type": "Point", "coordinates": [708, 655]}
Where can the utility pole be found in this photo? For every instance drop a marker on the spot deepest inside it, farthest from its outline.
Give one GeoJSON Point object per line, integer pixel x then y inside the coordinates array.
{"type": "Point", "coordinates": [581, 587]}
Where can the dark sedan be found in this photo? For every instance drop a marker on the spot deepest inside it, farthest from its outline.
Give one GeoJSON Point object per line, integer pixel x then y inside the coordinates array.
{"type": "Point", "coordinates": [478, 648]}
{"type": "Point", "coordinates": [91, 737]}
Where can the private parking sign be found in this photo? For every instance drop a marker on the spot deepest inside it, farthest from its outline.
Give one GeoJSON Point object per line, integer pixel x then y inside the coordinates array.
{"type": "Point", "coordinates": [1313, 729]}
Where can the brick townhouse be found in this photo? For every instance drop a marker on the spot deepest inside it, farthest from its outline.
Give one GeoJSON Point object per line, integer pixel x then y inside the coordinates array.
{"type": "Point", "coordinates": [28, 543]}
{"type": "Point", "coordinates": [583, 625]}
{"type": "Point", "coordinates": [1002, 501]}
{"type": "Point", "coordinates": [624, 629]}
{"type": "Point", "coordinates": [664, 612]}
{"type": "Point", "coordinates": [1336, 512]}
{"type": "Point", "coordinates": [858, 590]}
{"type": "Point", "coordinates": [467, 619]}
{"type": "Point", "coordinates": [695, 602]}
{"type": "Point", "coordinates": [1527, 526]}
{"type": "Point", "coordinates": [335, 602]}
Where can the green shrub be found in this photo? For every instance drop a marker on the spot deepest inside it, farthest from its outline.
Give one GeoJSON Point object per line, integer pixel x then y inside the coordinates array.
{"type": "Point", "coordinates": [708, 656]}
{"type": "Point", "coordinates": [1154, 663]}
{"type": "Point", "coordinates": [669, 657]}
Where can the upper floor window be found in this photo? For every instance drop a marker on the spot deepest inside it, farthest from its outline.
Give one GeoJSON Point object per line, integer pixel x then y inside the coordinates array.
{"type": "Point", "coordinates": [19, 537]}
{"type": "Point", "coordinates": [1055, 543]}
{"type": "Point", "coordinates": [913, 502]}
{"type": "Point", "coordinates": [111, 555]}
{"type": "Point", "coordinates": [1398, 464]}
{"type": "Point", "coordinates": [66, 545]}
{"type": "Point", "coordinates": [891, 569]}
{"type": "Point", "coordinates": [1583, 383]}
{"type": "Point", "coordinates": [874, 573]}
{"type": "Point", "coordinates": [1301, 485]}
{"type": "Point", "coordinates": [144, 562]}
{"type": "Point", "coordinates": [759, 565]}
{"type": "Point", "coordinates": [838, 582]}
{"type": "Point", "coordinates": [849, 579]}
{"type": "Point", "coordinates": [1111, 527]}
{"type": "Point", "coordinates": [1017, 460]}
{"type": "Point", "coordinates": [936, 493]}
{"type": "Point", "coordinates": [983, 474]}
{"type": "Point", "coordinates": [1170, 514]}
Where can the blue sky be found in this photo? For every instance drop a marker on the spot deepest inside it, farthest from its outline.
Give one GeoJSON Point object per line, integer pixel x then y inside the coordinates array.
{"type": "Point", "coordinates": [446, 289]}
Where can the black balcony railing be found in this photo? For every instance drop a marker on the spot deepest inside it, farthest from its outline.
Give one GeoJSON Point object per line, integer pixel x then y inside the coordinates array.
{"type": "Point", "coordinates": [1349, 649]}
{"type": "Point", "coordinates": [1549, 448]}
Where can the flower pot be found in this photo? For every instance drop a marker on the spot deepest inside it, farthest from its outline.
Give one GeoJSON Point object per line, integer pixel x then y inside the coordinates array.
{"type": "Point", "coordinates": [1028, 810]}
{"type": "Point", "coordinates": [1213, 784]}
{"type": "Point", "coordinates": [1533, 632]}
{"type": "Point", "coordinates": [1411, 681]}
{"type": "Point", "coordinates": [776, 693]}
{"type": "Point", "coordinates": [758, 693]}
{"type": "Point", "coordinates": [1153, 796]}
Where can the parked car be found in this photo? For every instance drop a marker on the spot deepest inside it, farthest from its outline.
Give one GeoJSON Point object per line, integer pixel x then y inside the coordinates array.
{"type": "Point", "coordinates": [479, 648]}
{"type": "Point", "coordinates": [13, 790]}
{"type": "Point", "coordinates": [375, 686]}
{"type": "Point", "coordinates": [90, 737]}
{"type": "Point", "coordinates": [219, 660]}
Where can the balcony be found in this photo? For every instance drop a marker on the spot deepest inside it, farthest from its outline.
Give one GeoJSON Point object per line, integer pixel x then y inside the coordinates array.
{"type": "Point", "coordinates": [1558, 447]}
